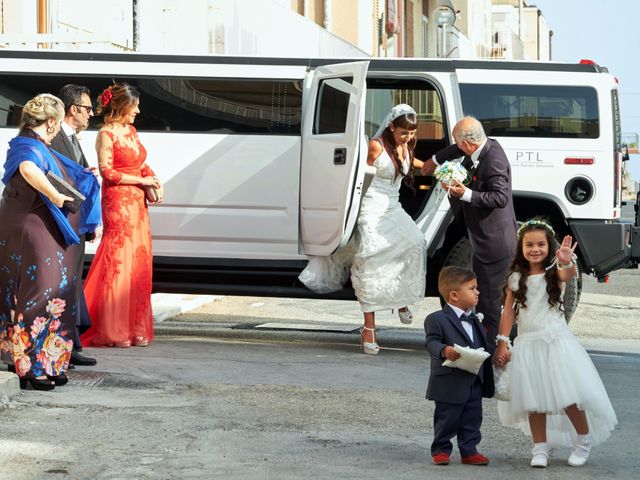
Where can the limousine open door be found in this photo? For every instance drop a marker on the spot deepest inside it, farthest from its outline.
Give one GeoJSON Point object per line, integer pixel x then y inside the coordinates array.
{"type": "Point", "coordinates": [334, 152]}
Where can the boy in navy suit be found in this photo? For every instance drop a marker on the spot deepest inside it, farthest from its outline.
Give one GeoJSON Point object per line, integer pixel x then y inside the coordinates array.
{"type": "Point", "coordinates": [457, 393]}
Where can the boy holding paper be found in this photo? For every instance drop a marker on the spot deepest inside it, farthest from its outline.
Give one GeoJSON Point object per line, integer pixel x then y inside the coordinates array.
{"type": "Point", "coordinates": [457, 392]}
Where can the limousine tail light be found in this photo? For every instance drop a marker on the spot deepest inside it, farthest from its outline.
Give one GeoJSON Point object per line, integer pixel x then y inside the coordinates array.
{"type": "Point", "coordinates": [579, 160]}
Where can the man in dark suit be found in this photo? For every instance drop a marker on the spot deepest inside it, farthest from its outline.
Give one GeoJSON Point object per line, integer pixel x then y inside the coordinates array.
{"type": "Point", "coordinates": [484, 208]}
{"type": "Point", "coordinates": [457, 393]}
{"type": "Point", "coordinates": [78, 111]}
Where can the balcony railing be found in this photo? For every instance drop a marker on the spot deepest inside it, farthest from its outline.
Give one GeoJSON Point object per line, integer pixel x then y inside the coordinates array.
{"type": "Point", "coordinates": [58, 41]}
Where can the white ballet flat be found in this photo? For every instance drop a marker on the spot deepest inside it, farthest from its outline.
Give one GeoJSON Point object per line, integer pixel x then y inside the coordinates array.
{"type": "Point", "coordinates": [370, 348]}
{"type": "Point", "coordinates": [540, 456]}
{"type": "Point", "coordinates": [579, 454]}
{"type": "Point", "coordinates": [406, 317]}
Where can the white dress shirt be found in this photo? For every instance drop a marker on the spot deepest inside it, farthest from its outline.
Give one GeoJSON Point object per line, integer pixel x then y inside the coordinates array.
{"type": "Point", "coordinates": [68, 130]}
{"type": "Point", "coordinates": [466, 196]}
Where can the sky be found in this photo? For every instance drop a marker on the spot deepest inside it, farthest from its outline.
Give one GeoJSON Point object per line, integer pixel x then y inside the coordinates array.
{"type": "Point", "coordinates": [605, 31]}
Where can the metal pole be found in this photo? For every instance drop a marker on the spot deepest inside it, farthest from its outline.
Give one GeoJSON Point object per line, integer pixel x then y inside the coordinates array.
{"type": "Point", "coordinates": [444, 40]}
{"type": "Point", "coordinates": [43, 15]}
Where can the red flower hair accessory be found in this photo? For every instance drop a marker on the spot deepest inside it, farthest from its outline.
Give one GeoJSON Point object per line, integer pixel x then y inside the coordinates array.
{"type": "Point", "coordinates": [106, 97]}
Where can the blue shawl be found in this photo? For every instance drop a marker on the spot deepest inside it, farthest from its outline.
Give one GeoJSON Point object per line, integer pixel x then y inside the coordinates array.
{"type": "Point", "coordinates": [30, 149]}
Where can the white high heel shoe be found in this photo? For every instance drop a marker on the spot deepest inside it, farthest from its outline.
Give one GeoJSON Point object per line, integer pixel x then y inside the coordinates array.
{"type": "Point", "coordinates": [370, 348]}
{"type": "Point", "coordinates": [406, 317]}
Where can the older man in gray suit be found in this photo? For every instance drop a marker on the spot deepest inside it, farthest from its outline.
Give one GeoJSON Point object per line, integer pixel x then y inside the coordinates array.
{"type": "Point", "coordinates": [485, 208]}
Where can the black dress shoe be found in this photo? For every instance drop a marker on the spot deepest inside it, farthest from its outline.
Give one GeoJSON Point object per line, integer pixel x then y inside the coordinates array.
{"type": "Point", "coordinates": [82, 360]}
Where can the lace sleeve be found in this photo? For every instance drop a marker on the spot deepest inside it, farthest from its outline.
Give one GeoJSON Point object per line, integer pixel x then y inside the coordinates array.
{"type": "Point", "coordinates": [512, 281]}
{"type": "Point", "coordinates": [146, 171]}
{"type": "Point", "coordinates": [105, 157]}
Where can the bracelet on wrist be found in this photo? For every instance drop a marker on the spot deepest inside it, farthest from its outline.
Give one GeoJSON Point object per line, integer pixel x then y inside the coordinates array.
{"type": "Point", "coordinates": [565, 266]}
{"type": "Point", "coordinates": [505, 339]}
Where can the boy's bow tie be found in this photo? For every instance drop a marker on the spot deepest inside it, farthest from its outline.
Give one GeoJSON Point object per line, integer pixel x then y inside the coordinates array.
{"type": "Point", "coordinates": [468, 318]}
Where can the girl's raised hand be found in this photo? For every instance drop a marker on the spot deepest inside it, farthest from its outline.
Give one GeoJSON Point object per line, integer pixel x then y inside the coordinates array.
{"type": "Point", "coordinates": [565, 252]}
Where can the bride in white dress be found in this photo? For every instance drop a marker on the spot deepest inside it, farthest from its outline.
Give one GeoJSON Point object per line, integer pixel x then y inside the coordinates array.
{"type": "Point", "coordinates": [387, 257]}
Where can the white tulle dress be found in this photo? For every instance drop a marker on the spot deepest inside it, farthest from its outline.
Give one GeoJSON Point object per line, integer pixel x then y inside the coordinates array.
{"type": "Point", "coordinates": [387, 256]}
{"type": "Point", "coordinates": [550, 371]}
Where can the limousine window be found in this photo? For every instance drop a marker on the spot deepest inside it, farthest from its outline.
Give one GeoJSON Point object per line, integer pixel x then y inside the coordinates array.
{"type": "Point", "coordinates": [332, 105]}
{"type": "Point", "coordinates": [425, 101]}
{"type": "Point", "coordinates": [382, 95]}
{"type": "Point", "coordinates": [533, 110]}
{"type": "Point", "coordinates": [216, 105]}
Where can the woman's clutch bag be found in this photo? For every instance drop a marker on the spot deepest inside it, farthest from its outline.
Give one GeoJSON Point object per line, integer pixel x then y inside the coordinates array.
{"type": "Point", "coordinates": [67, 189]}
{"type": "Point", "coordinates": [151, 193]}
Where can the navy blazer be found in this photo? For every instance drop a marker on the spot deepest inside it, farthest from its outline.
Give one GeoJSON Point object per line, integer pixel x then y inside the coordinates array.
{"type": "Point", "coordinates": [449, 384]}
{"type": "Point", "coordinates": [489, 218]}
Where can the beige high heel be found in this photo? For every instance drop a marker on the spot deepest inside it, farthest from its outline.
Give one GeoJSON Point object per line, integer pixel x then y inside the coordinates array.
{"type": "Point", "coordinates": [406, 317]}
{"type": "Point", "coordinates": [370, 348]}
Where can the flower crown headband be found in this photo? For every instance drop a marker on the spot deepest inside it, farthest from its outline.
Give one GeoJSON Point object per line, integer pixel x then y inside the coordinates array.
{"type": "Point", "coordinates": [540, 223]}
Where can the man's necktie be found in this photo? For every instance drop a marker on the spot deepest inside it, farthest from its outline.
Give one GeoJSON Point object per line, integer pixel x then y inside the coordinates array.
{"type": "Point", "coordinates": [76, 147]}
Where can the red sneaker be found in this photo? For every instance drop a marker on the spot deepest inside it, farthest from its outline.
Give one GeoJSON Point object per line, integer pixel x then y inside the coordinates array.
{"type": "Point", "coordinates": [475, 459]}
{"type": "Point", "coordinates": [440, 458]}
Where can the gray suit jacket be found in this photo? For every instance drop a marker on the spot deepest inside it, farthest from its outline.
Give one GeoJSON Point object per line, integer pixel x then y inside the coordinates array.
{"type": "Point", "coordinates": [448, 384]}
{"type": "Point", "coordinates": [489, 218]}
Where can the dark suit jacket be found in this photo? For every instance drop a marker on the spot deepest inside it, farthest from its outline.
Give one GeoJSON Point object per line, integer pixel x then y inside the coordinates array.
{"type": "Point", "coordinates": [489, 217]}
{"type": "Point", "coordinates": [62, 144]}
{"type": "Point", "coordinates": [448, 384]}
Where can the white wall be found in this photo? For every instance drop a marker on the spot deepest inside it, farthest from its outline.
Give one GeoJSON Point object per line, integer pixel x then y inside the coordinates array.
{"type": "Point", "coordinates": [110, 20]}
{"type": "Point", "coordinates": [19, 17]}
{"type": "Point", "coordinates": [168, 26]}
{"type": "Point", "coordinates": [365, 26]}
{"type": "Point", "coordinates": [235, 27]}
{"type": "Point", "coordinates": [266, 28]}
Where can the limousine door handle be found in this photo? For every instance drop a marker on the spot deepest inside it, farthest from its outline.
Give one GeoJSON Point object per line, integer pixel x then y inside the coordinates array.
{"type": "Point", "coordinates": [340, 156]}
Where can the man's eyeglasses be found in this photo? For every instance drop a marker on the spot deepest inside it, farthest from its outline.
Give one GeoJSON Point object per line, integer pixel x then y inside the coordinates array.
{"type": "Point", "coordinates": [88, 108]}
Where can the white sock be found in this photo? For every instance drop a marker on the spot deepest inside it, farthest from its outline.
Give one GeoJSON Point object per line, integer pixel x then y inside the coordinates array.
{"type": "Point", "coordinates": [583, 446]}
{"type": "Point", "coordinates": [584, 439]}
{"type": "Point", "coordinates": [540, 448]}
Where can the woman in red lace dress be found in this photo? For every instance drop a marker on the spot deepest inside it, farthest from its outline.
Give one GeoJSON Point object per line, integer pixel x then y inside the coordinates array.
{"type": "Point", "coordinates": [118, 285]}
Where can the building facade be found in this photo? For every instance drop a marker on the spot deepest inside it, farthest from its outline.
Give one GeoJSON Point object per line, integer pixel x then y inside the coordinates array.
{"type": "Point", "coordinates": [493, 29]}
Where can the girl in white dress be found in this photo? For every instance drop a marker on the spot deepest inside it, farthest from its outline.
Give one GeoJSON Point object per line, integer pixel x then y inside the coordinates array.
{"type": "Point", "coordinates": [557, 396]}
{"type": "Point", "coordinates": [387, 257]}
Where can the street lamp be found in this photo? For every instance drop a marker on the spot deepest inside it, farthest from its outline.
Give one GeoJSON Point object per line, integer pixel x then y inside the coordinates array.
{"type": "Point", "coordinates": [445, 17]}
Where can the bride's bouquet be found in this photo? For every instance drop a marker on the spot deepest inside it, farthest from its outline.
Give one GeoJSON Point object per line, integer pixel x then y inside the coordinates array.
{"type": "Point", "coordinates": [451, 172]}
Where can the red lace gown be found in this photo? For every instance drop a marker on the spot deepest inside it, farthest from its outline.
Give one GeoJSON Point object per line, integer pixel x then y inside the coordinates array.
{"type": "Point", "coordinates": [118, 285]}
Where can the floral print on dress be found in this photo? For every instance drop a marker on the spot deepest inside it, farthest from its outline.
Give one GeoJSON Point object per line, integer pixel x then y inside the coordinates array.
{"type": "Point", "coordinates": [45, 347]}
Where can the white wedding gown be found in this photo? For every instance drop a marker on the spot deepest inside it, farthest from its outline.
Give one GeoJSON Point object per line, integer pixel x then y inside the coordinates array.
{"type": "Point", "coordinates": [386, 257]}
{"type": "Point", "coordinates": [550, 370]}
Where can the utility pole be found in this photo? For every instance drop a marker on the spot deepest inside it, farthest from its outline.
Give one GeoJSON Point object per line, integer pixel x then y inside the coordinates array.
{"type": "Point", "coordinates": [43, 21]}
{"type": "Point", "coordinates": [136, 25]}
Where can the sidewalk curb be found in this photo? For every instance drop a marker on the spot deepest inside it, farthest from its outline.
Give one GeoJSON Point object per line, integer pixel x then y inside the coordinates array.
{"type": "Point", "coordinates": [388, 337]}
{"type": "Point", "coordinates": [401, 338]}
{"type": "Point", "coordinates": [9, 386]}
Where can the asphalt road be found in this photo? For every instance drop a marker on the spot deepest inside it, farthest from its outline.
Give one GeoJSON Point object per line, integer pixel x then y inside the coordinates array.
{"type": "Point", "coordinates": [194, 408]}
